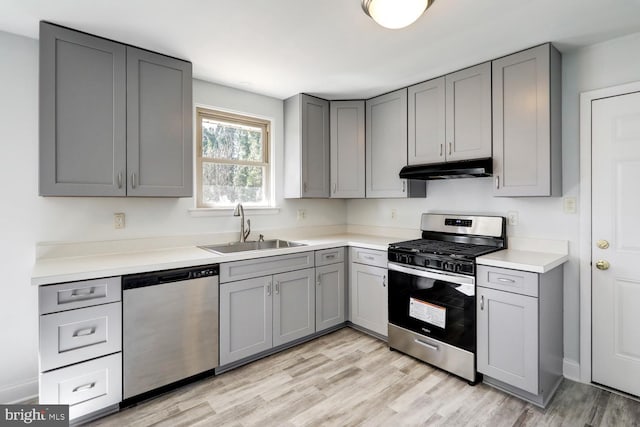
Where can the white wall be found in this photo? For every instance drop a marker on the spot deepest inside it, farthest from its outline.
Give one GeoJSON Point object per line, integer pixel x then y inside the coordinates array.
{"type": "Point", "coordinates": [605, 64]}
{"type": "Point", "coordinates": [26, 218]}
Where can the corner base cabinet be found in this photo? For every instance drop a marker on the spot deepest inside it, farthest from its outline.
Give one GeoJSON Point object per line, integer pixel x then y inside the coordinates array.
{"type": "Point", "coordinates": [519, 331]}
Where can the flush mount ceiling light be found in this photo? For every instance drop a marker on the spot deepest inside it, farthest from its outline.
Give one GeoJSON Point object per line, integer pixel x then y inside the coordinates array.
{"type": "Point", "coordinates": [395, 14]}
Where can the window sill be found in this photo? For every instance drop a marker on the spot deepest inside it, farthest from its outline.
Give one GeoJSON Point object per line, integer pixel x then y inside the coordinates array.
{"type": "Point", "coordinates": [204, 212]}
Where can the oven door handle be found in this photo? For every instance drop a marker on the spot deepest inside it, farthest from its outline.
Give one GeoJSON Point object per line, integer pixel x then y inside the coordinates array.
{"type": "Point", "coordinates": [460, 280]}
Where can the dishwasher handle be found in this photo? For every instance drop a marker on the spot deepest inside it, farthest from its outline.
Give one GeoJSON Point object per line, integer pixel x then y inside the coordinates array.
{"type": "Point", "coordinates": [141, 280]}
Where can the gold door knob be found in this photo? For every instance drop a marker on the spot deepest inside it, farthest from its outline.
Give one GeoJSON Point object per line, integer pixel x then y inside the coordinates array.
{"type": "Point", "coordinates": [602, 244]}
{"type": "Point", "coordinates": [602, 264]}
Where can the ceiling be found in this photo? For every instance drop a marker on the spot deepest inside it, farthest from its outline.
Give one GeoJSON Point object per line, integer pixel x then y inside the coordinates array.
{"type": "Point", "coordinates": [328, 48]}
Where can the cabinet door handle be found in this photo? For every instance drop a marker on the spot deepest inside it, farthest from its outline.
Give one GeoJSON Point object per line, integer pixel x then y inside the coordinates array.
{"type": "Point", "coordinates": [133, 180]}
{"type": "Point", "coordinates": [505, 280]}
{"type": "Point", "coordinates": [120, 179]}
{"type": "Point", "coordinates": [318, 280]}
{"type": "Point", "coordinates": [84, 387]}
{"type": "Point", "coordinates": [497, 181]}
{"type": "Point", "coordinates": [277, 288]}
{"type": "Point", "coordinates": [404, 186]}
{"type": "Point", "coordinates": [450, 145]}
{"type": "Point", "coordinates": [84, 332]}
{"type": "Point", "coordinates": [482, 302]}
{"type": "Point", "coordinates": [441, 148]}
{"type": "Point", "coordinates": [304, 187]}
{"type": "Point", "coordinates": [269, 289]}
{"type": "Point", "coordinates": [384, 281]}
{"type": "Point", "coordinates": [335, 187]}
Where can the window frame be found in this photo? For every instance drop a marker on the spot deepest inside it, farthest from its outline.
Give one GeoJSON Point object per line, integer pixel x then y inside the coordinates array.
{"type": "Point", "coordinates": [240, 119]}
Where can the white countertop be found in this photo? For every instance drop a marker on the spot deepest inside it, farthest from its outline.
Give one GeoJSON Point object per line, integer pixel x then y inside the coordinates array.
{"type": "Point", "coordinates": [526, 260]}
{"type": "Point", "coordinates": [67, 269]}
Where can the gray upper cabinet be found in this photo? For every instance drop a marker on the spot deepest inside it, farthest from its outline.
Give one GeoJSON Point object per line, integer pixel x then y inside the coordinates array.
{"type": "Point", "coordinates": [114, 120]}
{"type": "Point", "coordinates": [386, 144]}
{"type": "Point", "coordinates": [526, 123]}
{"type": "Point", "coordinates": [159, 127]}
{"type": "Point", "coordinates": [468, 113]}
{"type": "Point", "coordinates": [306, 147]}
{"type": "Point", "coordinates": [347, 149]}
{"type": "Point", "coordinates": [426, 122]}
{"type": "Point", "coordinates": [82, 114]}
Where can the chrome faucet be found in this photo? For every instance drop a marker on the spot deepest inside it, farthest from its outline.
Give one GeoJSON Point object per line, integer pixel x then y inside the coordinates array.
{"type": "Point", "coordinates": [239, 211]}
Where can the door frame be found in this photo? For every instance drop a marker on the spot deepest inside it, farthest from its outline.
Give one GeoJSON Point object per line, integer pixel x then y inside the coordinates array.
{"type": "Point", "coordinates": [586, 102]}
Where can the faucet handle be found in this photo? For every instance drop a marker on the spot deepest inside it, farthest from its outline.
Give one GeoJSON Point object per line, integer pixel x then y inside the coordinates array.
{"type": "Point", "coordinates": [246, 233]}
{"type": "Point", "coordinates": [261, 238]}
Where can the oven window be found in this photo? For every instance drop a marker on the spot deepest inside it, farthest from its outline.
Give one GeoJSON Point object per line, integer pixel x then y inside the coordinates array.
{"type": "Point", "coordinates": [439, 309]}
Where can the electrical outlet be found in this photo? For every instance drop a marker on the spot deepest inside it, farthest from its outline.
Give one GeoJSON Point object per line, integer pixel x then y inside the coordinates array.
{"type": "Point", "coordinates": [394, 214]}
{"type": "Point", "coordinates": [512, 218]}
{"type": "Point", "coordinates": [302, 214]}
{"type": "Point", "coordinates": [569, 205]}
{"type": "Point", "coordinates": [118, 220]}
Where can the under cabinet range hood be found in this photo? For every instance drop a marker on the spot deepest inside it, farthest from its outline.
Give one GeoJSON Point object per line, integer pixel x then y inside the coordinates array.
{"type": "Point", "coordinates": [459, 169]}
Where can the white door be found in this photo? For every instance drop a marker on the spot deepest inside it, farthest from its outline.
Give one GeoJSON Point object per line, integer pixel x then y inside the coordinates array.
{"type": "Point", "coordinates": [616, 217]}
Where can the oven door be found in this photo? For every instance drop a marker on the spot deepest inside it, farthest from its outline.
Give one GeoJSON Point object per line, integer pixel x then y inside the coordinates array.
{"type": "Point", "coordinates": [435, 304]}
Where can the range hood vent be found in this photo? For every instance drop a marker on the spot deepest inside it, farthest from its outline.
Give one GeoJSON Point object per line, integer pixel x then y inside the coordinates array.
{"type": "Point", "coordinates": [460, 169]}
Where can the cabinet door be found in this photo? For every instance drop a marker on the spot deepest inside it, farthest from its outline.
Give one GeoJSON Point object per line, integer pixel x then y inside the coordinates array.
{"type": "Point", "coordinates": [347, 149]}
{"type": "Point", "coordinates": [508, 338]}
{"type": "Point", "coordinates": [315, 147]}
{"type": "Point", "coordinates": [82, 114]}
{"type": "Point", "coordinates": [245, 318]}
{"type": "Point", "coordinates": [294, 305]}
{"type": "Point", "coordinates": [427, 122]}
{"type": "Point", "coordinates": [329, 296]}
{"type": "Point", "coordinates": [525, 149]}
{"type": "Point", "coordinates": [468, 94]}
{"type": "Point", "coordinates": [368, 297]}
{"type": "Point", "coordinates": [386, 144]}
{"type": "Point", "coordinates": [159, 125]}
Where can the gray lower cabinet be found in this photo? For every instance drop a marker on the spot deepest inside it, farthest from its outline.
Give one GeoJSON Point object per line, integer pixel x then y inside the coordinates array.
{"type": "Point", "coordinates": [368, 292]}
{"type": "Point", "coordinates": [259, 313]}
{"type": "Point", "coordinates": [347, 149]}
{"type": "Point", "coordinates": [80, 344]}
{"type": "Point", "coordinates": [527, 151]}
{"type": "Point", "coordinates": [330, 289]}
{"type": "Point", "coordinates": [519, 331]}
{"type": "Point", "coordinates": [114, 120]}
{"type": "Point", "coordinates": [306, 147]}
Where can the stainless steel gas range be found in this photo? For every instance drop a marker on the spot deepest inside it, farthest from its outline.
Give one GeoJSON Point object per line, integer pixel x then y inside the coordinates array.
{"type": "Point", "coordinates": [432, 288]}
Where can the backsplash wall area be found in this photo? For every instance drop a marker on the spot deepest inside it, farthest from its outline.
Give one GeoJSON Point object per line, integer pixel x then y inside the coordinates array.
{"type": "Point", "coordinates": [27, 218]}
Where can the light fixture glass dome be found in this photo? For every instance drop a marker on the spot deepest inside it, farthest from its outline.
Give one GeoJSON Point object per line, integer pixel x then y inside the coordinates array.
{"type": "Point", "coordinates": [395, 14]}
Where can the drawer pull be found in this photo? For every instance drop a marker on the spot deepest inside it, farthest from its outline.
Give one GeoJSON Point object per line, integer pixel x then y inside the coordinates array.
{"type": "Point", "coordinates": [83, 292]}
{"type": "Point", "coordinates": [427, 345]}
{"type": "Point", "coordinates": [332, 256]}
{"type": "Point", "coordinates": [84, 387]}
{"type": "Point", "coordinates": [504, 280]}
{"type": "Point", "coordinates": [85, 332]}
{"type": "Point", "coordinates": [370, 258]}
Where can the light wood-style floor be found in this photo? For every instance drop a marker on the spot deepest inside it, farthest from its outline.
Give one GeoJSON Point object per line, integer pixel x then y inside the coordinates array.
{"type": "Point", "coordinates": [348, 378]}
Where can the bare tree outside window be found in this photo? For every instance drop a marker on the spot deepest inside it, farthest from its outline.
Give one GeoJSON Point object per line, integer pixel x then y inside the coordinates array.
{"type": "Point", "coordinates": [232, 159]}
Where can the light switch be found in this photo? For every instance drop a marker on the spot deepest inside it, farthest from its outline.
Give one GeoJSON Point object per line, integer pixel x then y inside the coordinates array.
{"type": "Point", "coordinates": [569, 205]}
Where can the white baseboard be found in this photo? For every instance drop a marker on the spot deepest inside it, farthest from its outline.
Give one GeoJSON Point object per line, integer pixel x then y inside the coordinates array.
{"type": "Point", "coordinates": [571, 370]}
{"type": "Point", "coordinates": [19, 393]}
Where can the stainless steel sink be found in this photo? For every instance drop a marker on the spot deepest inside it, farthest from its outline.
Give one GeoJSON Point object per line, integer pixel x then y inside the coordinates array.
{"type": "Point", "coordinates": [250, 246]}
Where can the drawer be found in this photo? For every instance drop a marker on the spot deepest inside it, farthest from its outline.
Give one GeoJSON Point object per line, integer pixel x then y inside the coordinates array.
{"type": "Point", "coordinates": [240, 270]}
{"type": "Point", "coordinates": [67, 296]}
{"type": "Point", "coordinates": [77, 335]}
{"type": "Point", "coordinates": [369, 257]}
{"type": "Point", "coordinates": [329, 256]}
{"type": "Point", "coordinates": [86, 387]}
{"type": "Point", "coordinates": [504, 279]}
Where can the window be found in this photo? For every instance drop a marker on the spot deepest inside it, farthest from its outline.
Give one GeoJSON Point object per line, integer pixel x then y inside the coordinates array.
{"type": "Point", "coordinates": [232, 160]}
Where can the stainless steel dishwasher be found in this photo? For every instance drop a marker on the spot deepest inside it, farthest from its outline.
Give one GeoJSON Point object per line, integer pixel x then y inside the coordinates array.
{"type": "Point", "coordinates": [170, 327]}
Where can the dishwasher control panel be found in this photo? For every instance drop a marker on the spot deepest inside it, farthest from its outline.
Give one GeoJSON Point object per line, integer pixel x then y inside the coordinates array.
{"type": "Point", "coordinates": [141, 280]}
